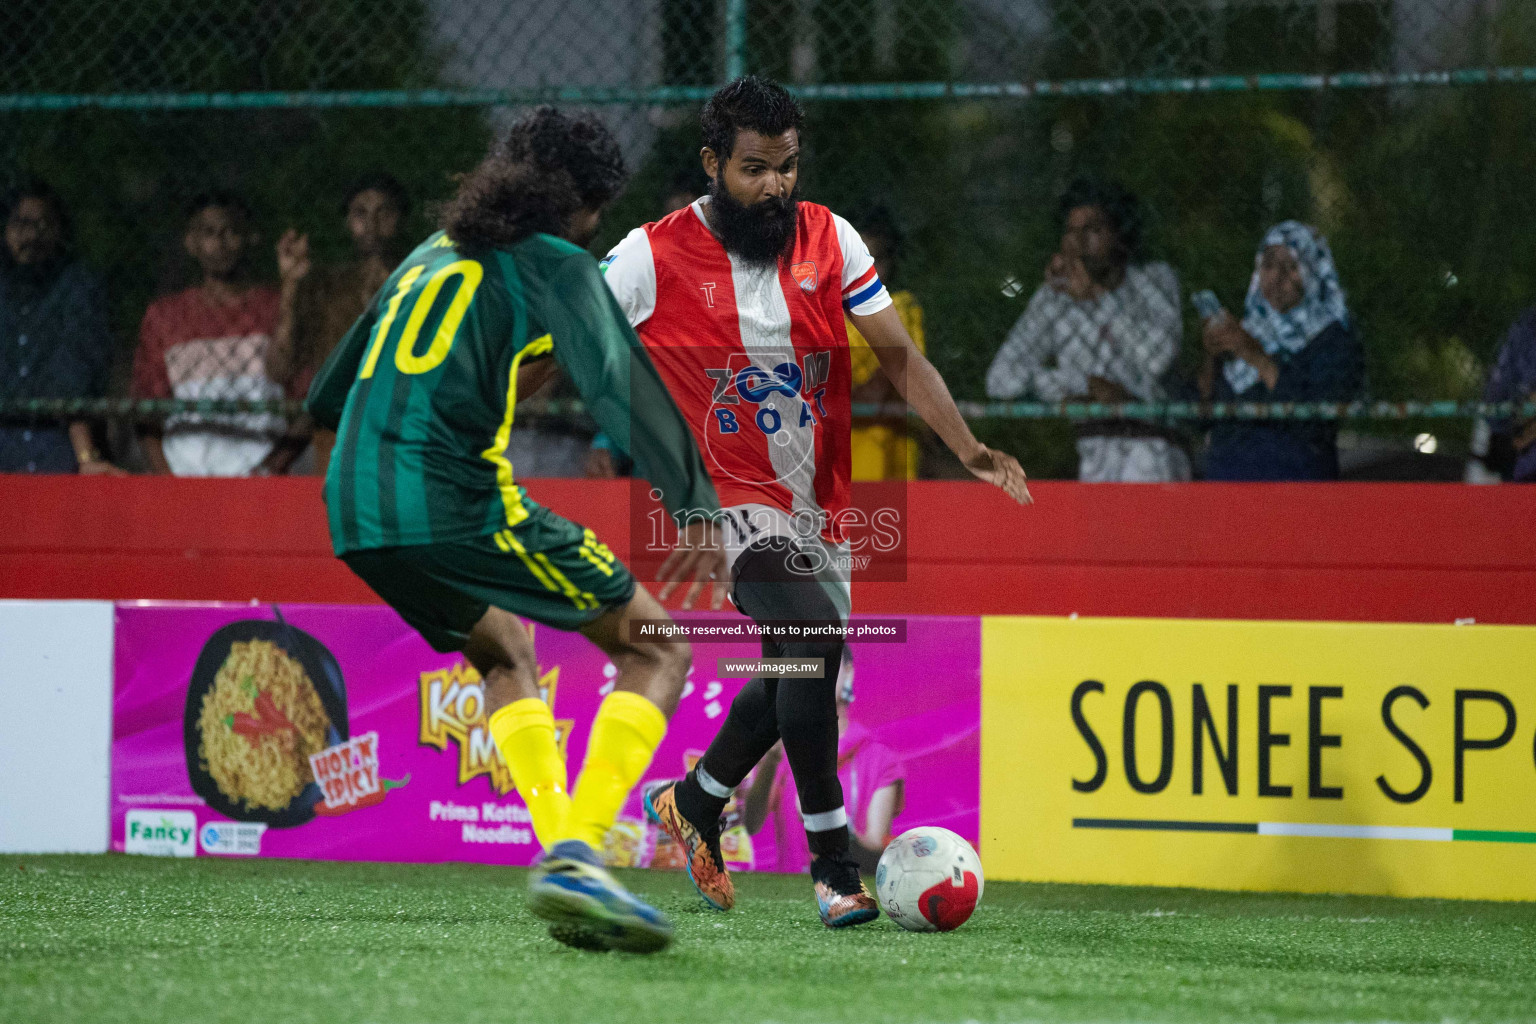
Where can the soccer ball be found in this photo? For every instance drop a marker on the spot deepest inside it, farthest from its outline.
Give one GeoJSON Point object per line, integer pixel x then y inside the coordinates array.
{"type": "Point", "coordinates": [929, 880]}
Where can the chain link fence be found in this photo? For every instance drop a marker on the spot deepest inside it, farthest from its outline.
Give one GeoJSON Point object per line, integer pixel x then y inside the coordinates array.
{"type": "Point", "coordinates": [949, 130]}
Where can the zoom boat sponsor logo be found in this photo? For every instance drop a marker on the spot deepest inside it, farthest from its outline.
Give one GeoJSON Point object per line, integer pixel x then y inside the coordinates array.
{"type": "Point", "coordinates": [160, 833]}
{"type": "Point", "coordinates": [738, 386]}
{"type": "Point", "coordinates": [232, 838]}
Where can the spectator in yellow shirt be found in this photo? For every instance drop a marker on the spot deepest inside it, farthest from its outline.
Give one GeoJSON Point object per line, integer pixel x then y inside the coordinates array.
{"type": "Point", "coordinates": [883, 448]}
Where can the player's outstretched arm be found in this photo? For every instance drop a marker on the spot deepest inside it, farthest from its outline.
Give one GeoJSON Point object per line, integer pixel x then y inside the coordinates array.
{"type": "Point", "coordinates": [919, 383]}
{"type": "Point", "coordinates": [597, 348]}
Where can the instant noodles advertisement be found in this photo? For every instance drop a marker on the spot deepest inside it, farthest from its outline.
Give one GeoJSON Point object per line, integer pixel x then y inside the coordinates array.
{"type": "Point", "coordinates": [335, 732]}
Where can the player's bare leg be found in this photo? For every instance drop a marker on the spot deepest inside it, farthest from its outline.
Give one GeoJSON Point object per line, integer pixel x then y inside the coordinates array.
{"type": "Point", "coordinates": [698, 558]}
{"type": "Point", "coordinates": [501, 650]}
{"type": "Point", "coordinates": [653, 670]}
{"type": "Point", "coordinates": [586, 906]}
{"type": "Point", "coordinates": [524, 729]}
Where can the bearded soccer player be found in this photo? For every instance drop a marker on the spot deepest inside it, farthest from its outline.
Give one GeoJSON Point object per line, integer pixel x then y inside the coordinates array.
{"type": "Point", "coordinates": [739, 300]}
{"type": "Point", "coordinates": [423, 505]}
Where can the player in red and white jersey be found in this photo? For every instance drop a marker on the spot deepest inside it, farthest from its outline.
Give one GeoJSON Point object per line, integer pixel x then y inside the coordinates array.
{"type": "Point", "coordinates": [756, 354]}
{"type": "Point", "coordinates": [740, 302]}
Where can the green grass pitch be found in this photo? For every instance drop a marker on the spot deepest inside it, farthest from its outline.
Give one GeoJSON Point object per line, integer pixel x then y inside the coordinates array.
{"type": "Point", "coordinates": [126, 939]}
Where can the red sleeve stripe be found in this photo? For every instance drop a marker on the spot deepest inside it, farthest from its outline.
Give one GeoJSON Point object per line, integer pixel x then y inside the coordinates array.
{"type": "Point", "coordinates": [864, 279]}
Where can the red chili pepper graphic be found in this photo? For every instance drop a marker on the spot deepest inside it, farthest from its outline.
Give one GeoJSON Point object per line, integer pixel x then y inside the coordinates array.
{"type": "Point", "coordinates": [246, 725]}
{"type": "Point", "coordinates": [267, 721]}
{"type": "Point", "coordinates": [269, 713]}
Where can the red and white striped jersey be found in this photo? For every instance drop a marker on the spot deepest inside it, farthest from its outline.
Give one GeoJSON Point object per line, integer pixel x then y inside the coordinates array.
{"type": "Point", "coordinates": [755, 356]}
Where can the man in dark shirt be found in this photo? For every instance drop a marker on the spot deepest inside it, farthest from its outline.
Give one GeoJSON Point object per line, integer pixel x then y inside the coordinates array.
{"type": "Point", "coordinates": [53, 336]}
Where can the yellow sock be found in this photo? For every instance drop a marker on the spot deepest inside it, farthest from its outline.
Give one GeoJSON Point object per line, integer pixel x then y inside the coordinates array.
{"type": "Point", "coordinates": [626, 732]}
{"type": "Point", "coordinates": [524, 732]}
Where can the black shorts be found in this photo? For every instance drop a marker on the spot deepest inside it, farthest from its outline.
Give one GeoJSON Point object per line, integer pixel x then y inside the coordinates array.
{"type": "Point", "coordinates": [546, 568]}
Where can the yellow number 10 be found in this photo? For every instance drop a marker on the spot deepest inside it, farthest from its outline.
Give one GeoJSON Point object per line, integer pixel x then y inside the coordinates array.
{"type": "Point", "coordinates": [406, 359]}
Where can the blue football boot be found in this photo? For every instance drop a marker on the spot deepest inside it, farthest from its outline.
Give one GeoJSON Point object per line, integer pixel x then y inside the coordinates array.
{"type": "Point", "coordinates": [587, 908]}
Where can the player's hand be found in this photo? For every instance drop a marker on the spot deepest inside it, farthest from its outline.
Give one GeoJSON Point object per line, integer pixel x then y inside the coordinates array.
{"type": "Point", "coordinates": [1001, 470]}
{"type": "Point", "coordinates": [292, 256]}
{"type": "Point", "coordinates": [700, 557]}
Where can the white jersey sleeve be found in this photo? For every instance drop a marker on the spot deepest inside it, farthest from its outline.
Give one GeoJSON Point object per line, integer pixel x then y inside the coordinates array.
{"type": "Point", "coordinates": [863, 292]}
{"type": "Point", "coordinates": [630, 270]}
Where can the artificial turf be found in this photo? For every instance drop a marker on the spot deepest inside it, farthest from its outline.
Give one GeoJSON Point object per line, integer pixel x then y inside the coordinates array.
{"type": "Point", "coordinates": [128, 939]}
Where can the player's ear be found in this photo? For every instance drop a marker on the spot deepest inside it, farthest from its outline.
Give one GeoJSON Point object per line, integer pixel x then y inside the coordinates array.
{"type": "Point", "coordinates": [711, 162]}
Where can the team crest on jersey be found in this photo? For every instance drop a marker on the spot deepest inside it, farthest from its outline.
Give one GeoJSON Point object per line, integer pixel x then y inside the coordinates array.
{"type": "Point", "coordinates": [804, 275]}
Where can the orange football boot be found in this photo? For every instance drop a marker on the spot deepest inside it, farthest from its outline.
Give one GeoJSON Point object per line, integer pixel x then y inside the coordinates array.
{"type": "Point", "coordinates": [706, 867]}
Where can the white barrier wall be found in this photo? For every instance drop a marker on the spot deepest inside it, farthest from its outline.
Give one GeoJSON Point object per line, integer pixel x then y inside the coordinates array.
{"type": "Point", "coordinates": [55, 725]}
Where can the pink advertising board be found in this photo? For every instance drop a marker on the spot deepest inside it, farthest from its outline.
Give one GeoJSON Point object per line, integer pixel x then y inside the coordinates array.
{"type": "Point", "coordinates": [385, 755]}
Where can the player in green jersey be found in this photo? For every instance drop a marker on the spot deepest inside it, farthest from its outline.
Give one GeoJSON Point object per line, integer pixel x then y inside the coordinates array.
{"type": "Point", "coordinates": [424, 507]}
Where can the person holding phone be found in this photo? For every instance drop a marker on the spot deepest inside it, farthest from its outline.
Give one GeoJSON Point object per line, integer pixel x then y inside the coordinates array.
{"type": "Point", "coordinates": [1295, 343]}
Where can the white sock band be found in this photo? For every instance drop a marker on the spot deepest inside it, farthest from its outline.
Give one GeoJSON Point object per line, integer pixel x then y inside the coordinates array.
{"type": "Point", "coordinates": [825, 821]}
{"type": "Point", "coordinates": [708, 784]}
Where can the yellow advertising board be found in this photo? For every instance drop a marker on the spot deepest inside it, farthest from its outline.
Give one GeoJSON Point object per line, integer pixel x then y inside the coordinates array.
{"type": "Point", "coordinates": [1289, 756]}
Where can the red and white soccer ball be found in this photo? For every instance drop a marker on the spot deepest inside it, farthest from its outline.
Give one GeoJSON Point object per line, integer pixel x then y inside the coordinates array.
{"type": "Point", "coordinates": [929, 880]}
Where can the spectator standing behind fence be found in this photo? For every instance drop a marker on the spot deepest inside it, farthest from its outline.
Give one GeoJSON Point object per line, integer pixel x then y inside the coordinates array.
{"type": "Point", "coordinates": [881, 446]}
{"type": "Point", "coordinates": [319, 305]}
{"type": "Point", "coordinates": [1102, 327]}
{"type": "Point", "coordinates": [53, 336]}
{"type": "Point", "coordinates": [1510, 444]}
{"type": "Point", "coordinates": [210, 341]}
{"type": "Point", "coordinates": [1294, 344]}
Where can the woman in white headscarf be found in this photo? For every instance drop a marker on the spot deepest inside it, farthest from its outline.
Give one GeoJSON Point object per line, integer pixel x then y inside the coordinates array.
{"type": "Point", "coordinates": [1296, 343]}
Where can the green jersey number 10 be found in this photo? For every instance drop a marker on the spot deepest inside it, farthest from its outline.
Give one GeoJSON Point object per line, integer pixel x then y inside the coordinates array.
{"type": "Point", "coordinates": [469, 274]}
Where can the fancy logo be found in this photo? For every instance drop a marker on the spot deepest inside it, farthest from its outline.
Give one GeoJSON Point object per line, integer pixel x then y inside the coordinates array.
{"type": "Point", "coordinates": [160, 833]}
{"type": "Point", "coordinates": [453, 708]}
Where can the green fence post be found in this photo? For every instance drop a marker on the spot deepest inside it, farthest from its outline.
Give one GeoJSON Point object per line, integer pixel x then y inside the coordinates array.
{"type": "Point", "coordinates": [735, 39]}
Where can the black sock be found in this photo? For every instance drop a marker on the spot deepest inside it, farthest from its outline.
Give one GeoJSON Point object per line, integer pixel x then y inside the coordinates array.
{"type": "Point", "coordinates": [749, 730]}
{"type": "Point", "coordinates": [701, 808]}
{"type": "Point", "coordinates": [831, 843]}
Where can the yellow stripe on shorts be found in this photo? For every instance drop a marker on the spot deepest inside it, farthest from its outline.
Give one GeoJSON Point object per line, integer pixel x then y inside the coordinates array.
{"type": "Point", "coordinates": [580, 598]}
{"type": "Point", "coordinates": [507, 541]}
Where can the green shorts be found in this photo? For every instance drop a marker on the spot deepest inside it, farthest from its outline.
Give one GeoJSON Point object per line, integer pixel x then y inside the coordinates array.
{"type": "Point", "coordinates": [547, 569]}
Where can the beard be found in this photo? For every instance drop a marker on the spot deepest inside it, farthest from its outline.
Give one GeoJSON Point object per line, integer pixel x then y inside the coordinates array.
{"type": "Point", "coordinates": [35, 267]}
{"type": "Point", "coordinates": [762, 233]}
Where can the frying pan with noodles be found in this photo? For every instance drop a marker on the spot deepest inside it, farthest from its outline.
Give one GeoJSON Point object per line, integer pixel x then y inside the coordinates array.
{"type": "Point", "coordinates": [323, 671]}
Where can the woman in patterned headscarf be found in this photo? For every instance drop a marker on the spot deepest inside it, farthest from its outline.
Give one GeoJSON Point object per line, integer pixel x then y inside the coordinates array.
{"type": "Point", "coordinates": [1296, 343]}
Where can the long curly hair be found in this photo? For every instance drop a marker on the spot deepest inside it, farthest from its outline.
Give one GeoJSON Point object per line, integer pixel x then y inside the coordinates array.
{"type": "Point", "coordinates": [548, 167]}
